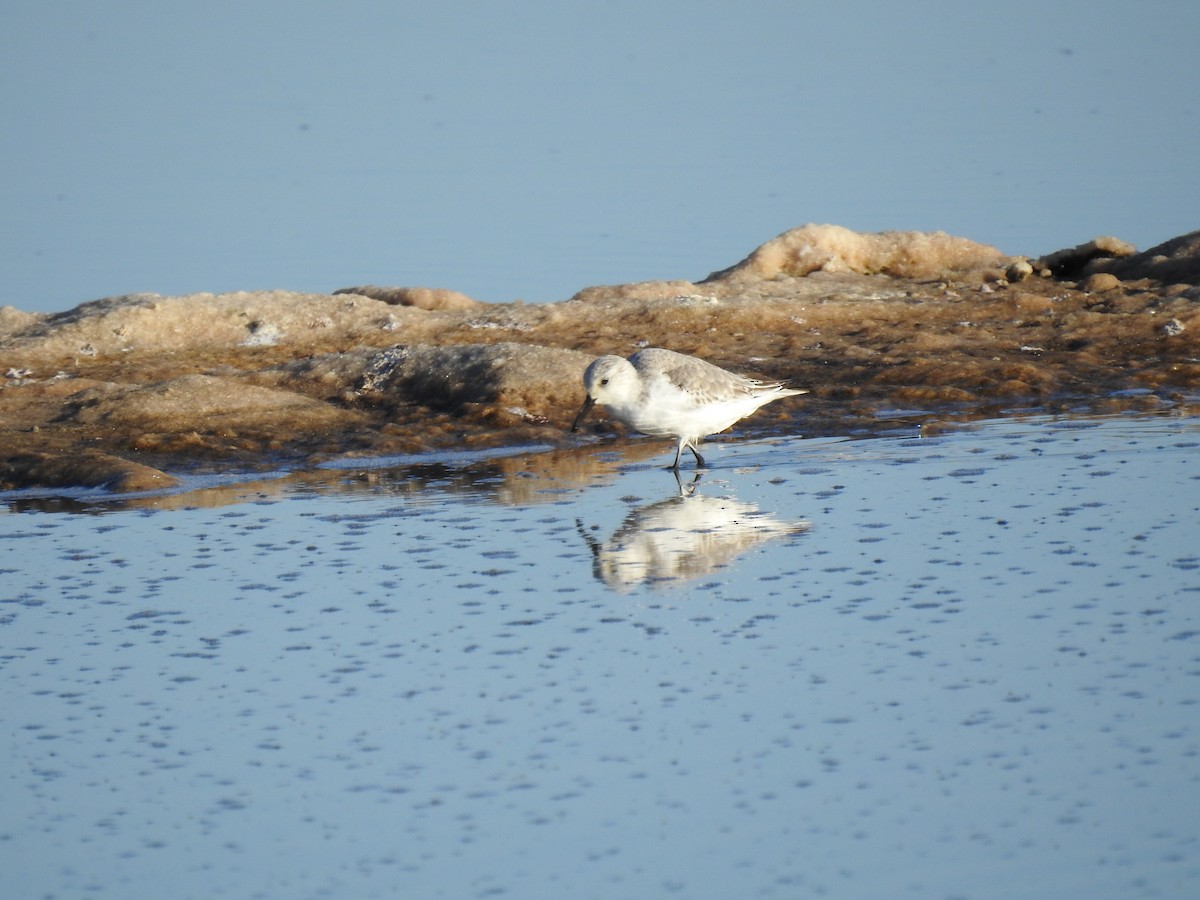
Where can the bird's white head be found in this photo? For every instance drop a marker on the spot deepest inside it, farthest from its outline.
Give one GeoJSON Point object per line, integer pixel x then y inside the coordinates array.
{"type": "Point", "coordinates": [609, 378]}
{"type": "Point", "coordinates": [606, 379]}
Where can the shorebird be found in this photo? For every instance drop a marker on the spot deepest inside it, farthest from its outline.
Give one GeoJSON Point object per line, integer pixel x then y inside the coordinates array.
{"type": "Point", "coordinates": [664, 393]}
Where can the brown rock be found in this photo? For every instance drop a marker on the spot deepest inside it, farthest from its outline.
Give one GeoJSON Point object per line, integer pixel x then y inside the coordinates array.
{"type": "Point", "coordinates": [83, 469]}
{"type": "Point", "coordinates": [203, 403]}
{"type": "Point", "coordinates": [259, 379]}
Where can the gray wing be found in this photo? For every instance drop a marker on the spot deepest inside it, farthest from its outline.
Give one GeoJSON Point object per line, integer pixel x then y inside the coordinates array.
{"type": "Point", "coordinates": [700, 380]}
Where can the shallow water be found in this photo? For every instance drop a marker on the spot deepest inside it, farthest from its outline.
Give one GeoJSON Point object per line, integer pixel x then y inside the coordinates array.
{"type": "Point", "coordinates": [965, 665]}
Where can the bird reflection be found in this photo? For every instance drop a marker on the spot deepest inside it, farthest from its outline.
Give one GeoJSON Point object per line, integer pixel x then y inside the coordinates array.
{"type": "Point", "coordinates": [681, 538]}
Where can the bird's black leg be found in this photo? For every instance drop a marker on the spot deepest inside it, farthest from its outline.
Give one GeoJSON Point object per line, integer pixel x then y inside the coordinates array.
{"type": "Point", "coordinates": [675, 465]}
{"type": "Point", "coordinates": [699, 459]}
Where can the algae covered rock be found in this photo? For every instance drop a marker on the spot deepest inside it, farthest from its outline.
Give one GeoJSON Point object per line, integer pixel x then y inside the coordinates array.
{"type": "Point", "coordinates": [118, 392]}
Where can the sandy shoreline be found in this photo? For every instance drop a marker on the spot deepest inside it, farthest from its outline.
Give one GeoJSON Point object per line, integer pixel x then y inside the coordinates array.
{"type": "Point", "coordinates": [126, 391]}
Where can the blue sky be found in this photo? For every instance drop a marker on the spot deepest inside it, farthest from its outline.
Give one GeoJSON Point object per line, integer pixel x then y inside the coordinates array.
{"type": "Point", "coordinates": [529, 149]}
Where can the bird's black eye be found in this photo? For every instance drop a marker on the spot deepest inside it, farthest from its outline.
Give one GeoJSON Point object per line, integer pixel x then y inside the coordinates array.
{"type": "Point", "coordinates": [604, 381]}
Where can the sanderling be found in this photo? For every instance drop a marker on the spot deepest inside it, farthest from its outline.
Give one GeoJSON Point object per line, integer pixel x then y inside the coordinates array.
{"type": "Point", "coordinates": [661, 392]}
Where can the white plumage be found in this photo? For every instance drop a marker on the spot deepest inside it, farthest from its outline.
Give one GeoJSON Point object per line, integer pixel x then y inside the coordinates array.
{"type": "Point", "coordinates": [661, 392]}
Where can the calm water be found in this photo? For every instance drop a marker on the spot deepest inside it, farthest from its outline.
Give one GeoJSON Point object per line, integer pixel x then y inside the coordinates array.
{"type": "Point", "coordinates": [955, 666]}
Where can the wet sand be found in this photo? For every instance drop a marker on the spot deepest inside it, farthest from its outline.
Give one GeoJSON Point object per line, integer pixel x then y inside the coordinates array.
{"type": "Point", "coordinates": [130, 392]}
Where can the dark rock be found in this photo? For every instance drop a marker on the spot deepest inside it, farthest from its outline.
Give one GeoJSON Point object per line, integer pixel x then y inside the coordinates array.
{"type": "Point", "coordinates": [1073, 261]}
{"type": "Point", "coordinates": [1174, 261]}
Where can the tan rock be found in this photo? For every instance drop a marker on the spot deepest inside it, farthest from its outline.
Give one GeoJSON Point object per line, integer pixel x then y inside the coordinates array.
{"type": "Point", "coordinates": [1099, 282]}
{"type": "Point", "coordinates": [13, 320]}
{"type": "Point", "coordinates": [149, 323]}
{"type": "Point", "coordinates": [639, 290]}
{"type": "Point", "coordinates": [1019, 270]}
{"type": "Point", "coordinates": [419, 297]}
{"type": "Point", "coordinates": [831, 248]}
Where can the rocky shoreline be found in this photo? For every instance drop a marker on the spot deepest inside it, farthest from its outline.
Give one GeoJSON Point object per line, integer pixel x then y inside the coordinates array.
{"type": "Point", "coordinates": [127, 392]}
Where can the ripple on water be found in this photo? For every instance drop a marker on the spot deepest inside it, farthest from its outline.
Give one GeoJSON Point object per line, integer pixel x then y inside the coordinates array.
{"type": "Point", "coordinates": [811, 671]}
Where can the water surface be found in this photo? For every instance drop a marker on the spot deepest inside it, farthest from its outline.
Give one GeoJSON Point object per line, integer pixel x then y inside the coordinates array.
{"type": "Point", "coordinates": [955, 666]}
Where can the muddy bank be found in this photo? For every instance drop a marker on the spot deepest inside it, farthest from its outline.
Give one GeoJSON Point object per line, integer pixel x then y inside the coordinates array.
{"type": "Point", "coordinates": [125, 391]}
